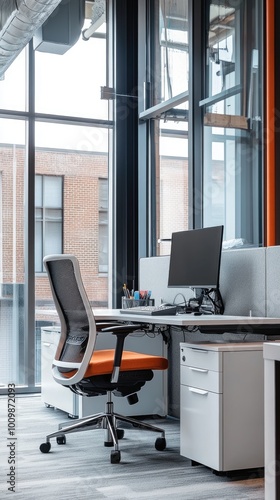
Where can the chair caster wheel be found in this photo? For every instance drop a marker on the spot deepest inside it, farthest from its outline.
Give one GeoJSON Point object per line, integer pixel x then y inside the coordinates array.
{"type": "Point", "coordinates": [115, 457]}
{"type": "Point", "coordinates": [160, 444]}
{"type": "Point", "coordinates": [120, 433]}
{"type": "Point", "coordinates": [61, 439]}
{"type": "Point", "coordinates": [45, 447]}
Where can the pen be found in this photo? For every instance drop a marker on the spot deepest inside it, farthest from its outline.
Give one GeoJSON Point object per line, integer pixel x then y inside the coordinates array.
{"type": "Point", "coordinates": [126, 291]}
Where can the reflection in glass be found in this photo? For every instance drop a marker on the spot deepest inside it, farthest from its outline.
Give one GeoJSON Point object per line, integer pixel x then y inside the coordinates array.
{"type": "Point", "coordinates": [221, 50]}
{"type": "Point", "coordinates": [171, 58]}
{"type": "Point", "coordinates": [232, 178]}
{"type": "Point", "coordinates": [172, 182]}
{"type": "Point", "coordinates": [72, 174]}
{"type": "Point", "coordinates": [12, 284]}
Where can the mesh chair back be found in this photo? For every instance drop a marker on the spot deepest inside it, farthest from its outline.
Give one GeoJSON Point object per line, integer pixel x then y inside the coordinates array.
{"type": "Point", "coordinates": [78, 330]}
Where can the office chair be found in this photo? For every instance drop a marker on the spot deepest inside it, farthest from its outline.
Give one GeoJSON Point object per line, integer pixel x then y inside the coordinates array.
{"type": "Point", "coordinates": [89, 372]}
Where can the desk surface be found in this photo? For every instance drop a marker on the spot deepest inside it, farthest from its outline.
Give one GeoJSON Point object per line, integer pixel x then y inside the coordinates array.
{"type": "Point", "coordinates": [204, 322]}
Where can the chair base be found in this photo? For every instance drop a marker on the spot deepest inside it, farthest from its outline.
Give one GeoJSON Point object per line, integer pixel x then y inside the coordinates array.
{"type": "Point", "coordinates": [108, 421]}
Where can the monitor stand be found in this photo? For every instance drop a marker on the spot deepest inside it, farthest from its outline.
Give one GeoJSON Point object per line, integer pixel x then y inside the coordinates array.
{"type": "Point", "coordinates": [207, 301]}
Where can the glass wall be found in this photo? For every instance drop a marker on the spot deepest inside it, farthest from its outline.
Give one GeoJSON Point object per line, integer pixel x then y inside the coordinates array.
{"type": "Point", "coordinates": [12, 273]}
{"type": "Point", "coordinates": [233, 117]}
{"type": "Point", "coordinates": [170, 121]}
{"type": "Point", "coordinates": [79, 74]}
{"type": "Point", "coordinates": [53, 185]}
{"type": "Point", "coordinates": [204, 119]}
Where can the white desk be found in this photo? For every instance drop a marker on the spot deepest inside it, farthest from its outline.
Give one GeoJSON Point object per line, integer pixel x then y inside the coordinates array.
{"type": "Point", "coordinates": [271, 354]}
{"type": "Point", "coordinates": [207, 322]}
{"type": "Point", "coordinates": [257, 324]}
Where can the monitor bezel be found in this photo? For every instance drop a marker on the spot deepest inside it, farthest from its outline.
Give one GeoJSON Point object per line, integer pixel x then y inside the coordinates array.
{"type": "Point", "coordinates": [218, 230]}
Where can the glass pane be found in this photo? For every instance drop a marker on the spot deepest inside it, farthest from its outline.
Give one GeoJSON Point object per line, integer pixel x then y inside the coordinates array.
{"type": "Point", "coordinates": [80, 156]}
{"type": "Point", "coordinates": [12, 277]}
{"type": "Point", "coordinates": [39, 247]}
{"type": "Point", "coordinates": [223, 53]}
{"type": "Point", "coordinates": [38, 214]}
{"type": "Point", "coordinates": [171, 50]}
{"type": "Point", "coordinates": [103, 194]}
{"type": "Point", "coordinates": [79, 74]}
{"type": "Point", "coordinates": [232, 170]}
{"type": "Point", "coordinates": [103, 249]}
{"type": "Point", "coordinates": [170, 77]}
{"type": "Point", "coordinates": [53, 240]}
{"type": "Point", "coordinates": [172, 182]}
{"type": "Point", "coordinates": [73, 139]}
{"type": "Point", "coordinates": [103, 217]}
{"type": "Point", "coordinates": [53, 192]}
{"type": "Point", "coordinates": [53, 215]}
{"type": "Point", "coordinates": [12, 94]}
{"type": "Point", "coordinates": [38, 191]}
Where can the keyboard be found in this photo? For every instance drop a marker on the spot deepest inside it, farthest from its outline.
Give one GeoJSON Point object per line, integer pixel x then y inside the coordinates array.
{"type": "Point", "coordinates": [151, 310]}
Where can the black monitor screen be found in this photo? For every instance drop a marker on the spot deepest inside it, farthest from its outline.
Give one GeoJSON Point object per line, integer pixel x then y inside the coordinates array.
{"type": "Point", "coordinates": [195, 258]}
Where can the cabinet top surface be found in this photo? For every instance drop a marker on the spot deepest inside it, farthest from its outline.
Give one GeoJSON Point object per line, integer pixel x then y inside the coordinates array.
{"type": "Point", "coordinates": [223, 346]}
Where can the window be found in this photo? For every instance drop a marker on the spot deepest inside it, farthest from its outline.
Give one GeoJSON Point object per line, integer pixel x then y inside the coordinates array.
{"type": "Point", "coordinates": [103, 226]}
{"type": "Point", "coordinates": [167, 119]}
{"type": "Point", "coordinates": [233, 118]}
{"type": "Point", "coordinates": [203, 119]}
{"type": "Point", "coordinates": [48, 217]}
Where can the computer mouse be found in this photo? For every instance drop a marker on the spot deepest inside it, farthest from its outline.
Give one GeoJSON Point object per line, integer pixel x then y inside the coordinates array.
{"type": "Point", "coordinates": [197, 313]}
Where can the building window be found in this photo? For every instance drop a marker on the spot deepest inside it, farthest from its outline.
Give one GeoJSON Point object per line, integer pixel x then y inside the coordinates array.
{"type": "Point", "coordinates": [48, 217]}
{"type": "Point", "coordinates": [103, 226]}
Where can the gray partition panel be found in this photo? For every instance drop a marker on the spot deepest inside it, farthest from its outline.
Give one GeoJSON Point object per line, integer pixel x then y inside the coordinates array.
{"type": "Point", "coordinates": [153, 275]}
{"type": "Point", "coordinates": [242, 281]}
{"type": "Point", "coordinates": [273, 281]}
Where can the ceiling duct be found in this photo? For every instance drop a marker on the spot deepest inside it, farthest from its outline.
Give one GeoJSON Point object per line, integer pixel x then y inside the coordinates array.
{"type": "Point", "coordinates": [62, 29]}
{"type": "Point", "coordinates": [19, 20]}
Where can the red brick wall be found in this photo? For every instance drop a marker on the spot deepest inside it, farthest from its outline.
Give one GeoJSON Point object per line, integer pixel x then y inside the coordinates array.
{"type": "Point", "coordinates": [81, 173]}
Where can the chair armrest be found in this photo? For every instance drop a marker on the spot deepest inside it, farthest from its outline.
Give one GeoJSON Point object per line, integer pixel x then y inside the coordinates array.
{"type": "Point", "coordinates": [107, 324]}
{"type": "Point", "coordinates": [121, 332]}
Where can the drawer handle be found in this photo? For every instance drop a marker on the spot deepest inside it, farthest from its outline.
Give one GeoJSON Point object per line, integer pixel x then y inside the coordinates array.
{"type": "Point", "coordinates": [199, 350]}
{"type": "Point", "coordinates": [47, 344]}
{"type": "Point", "coordinates": [202, 370]}
{"type": "Point", "coordinates": [198, 391]}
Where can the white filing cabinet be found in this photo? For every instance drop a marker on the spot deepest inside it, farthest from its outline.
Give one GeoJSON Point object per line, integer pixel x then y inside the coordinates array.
{"type": "Point", "coordinates": [271, 354]}
{"type": "Point", "coordinates": [152, 396]}
{"type": "Point", "coordinates": [222, 405]}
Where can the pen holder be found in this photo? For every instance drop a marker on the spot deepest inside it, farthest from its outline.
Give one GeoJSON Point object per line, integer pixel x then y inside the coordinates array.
{"type": "Point", "coordinates": [127, 303]}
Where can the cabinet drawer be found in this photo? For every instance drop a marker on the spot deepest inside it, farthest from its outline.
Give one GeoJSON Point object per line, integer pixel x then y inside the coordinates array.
{"type": "Point", "coordinates": [202, 378]}
{"type": "Point", "coordinates": [201, 426]}
{"type": "Point", "coordinates": [201, 358]}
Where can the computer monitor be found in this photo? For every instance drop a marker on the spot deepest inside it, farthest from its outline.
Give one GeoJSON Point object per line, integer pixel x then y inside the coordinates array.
{"type": "Point", "coordinates": [195, 261]}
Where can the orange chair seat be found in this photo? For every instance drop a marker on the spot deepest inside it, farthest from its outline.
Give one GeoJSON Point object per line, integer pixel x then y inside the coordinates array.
{"type": "Point", "coordinates": [102, 362]}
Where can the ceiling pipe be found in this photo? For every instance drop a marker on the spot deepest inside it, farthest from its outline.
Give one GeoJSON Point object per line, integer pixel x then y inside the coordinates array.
{"type": "Point", "coordinates": [19, 19]}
